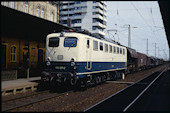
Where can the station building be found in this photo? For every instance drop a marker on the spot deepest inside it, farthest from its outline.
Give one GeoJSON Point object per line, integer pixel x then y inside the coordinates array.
{"type": "Point", "coordinates": [43, 9]}
{"type": "Point", "coordinates": [24, 27]}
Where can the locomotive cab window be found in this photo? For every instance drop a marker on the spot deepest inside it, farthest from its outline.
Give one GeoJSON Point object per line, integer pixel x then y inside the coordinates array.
{"type": "Point", "coordinates": [53, 42]}
{"type": "Point", "coordinates": [70, 42]}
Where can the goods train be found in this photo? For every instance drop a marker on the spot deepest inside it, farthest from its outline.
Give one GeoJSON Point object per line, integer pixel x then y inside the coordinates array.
{"type": "Point", "coordinates": [82, 59]}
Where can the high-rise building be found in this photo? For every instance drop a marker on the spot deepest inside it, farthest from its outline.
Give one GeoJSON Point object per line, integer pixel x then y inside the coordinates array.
{"type": "Point", "coordinates": [88, 15]}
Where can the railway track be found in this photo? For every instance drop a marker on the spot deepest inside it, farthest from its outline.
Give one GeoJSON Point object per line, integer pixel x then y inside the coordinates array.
{"type": "Point", "coordinates": [25, 96]}
{"type": "Point", "coordinates": [45, 98]}
{"type": "Point", "coordinates": [24, 101]}
{"type": "Point", "coordinates": [124, 99]}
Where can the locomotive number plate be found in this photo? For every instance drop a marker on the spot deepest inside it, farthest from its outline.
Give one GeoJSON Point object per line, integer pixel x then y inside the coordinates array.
{"type": "Point", "coordinates": [60, 67]}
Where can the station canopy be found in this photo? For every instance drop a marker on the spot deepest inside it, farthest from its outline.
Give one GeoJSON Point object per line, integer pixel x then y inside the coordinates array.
{"type": "Point", "coordinates": [17, 24]}
{"type": "Point", "coordinates": [164, 8]}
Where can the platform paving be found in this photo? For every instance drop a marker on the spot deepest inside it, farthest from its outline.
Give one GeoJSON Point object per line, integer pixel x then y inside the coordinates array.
{"type": "Point", "coordinates": [19, 85]}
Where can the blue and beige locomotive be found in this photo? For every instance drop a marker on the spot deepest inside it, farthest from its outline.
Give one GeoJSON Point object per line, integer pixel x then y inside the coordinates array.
{"type": "Point", "coordinates": [79, 59]}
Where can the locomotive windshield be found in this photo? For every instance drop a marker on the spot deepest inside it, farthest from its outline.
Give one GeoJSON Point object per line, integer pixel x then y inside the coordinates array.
{"type": "Point", "coordinates": [54, 42]}
{"type": "Point", "coordinates": [70, 42]}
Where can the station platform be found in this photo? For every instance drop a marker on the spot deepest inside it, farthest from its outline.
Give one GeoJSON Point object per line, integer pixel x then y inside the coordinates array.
{"type": "Point", "coordinates": [19, 85]}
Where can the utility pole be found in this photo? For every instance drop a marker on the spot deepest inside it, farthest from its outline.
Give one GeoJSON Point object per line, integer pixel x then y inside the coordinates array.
{"type": "Point", "coordinates": [129, 38]}
{"type": "Point", "coordinates": [129, 35]}
{"type": "Point", "coordinates": [165, 55]}
{"type": "Point", "coordinates": [158, 51]}
{"type": "Point", "coordinates": [155, 48]}
{"type": "Point", "coordinates": [146, 46]}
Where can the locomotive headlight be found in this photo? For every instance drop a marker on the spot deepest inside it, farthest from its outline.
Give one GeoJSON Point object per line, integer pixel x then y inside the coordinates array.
{"type": "Point", "coordinates": [72, 62]}
{"type": "Point", "coordinates": [49, 59]}
{"type": "Point", "coordinates": [48, 63]}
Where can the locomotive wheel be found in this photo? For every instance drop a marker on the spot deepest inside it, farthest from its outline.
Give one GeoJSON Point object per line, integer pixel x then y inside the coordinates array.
{"type": "Point", "coordinates": [103, 78]}
{"type": "Point", "coordinates": [113, 76]}
{"type": "Point", "coordinates": [98, 79]}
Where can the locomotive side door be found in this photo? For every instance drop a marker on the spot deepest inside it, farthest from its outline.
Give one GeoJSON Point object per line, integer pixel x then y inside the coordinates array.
{"type": "Point", "coordinates": [88, 54]}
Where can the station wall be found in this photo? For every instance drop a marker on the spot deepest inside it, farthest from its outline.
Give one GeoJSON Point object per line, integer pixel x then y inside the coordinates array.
{"type": "Point", "coordinates": [15, 51]}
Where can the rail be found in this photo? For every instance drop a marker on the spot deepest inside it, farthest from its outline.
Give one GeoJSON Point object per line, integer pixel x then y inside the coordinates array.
{"type": "Point", "coordinates": [34, 100]}
{"type": "Point", "coordinates": [142, 84]}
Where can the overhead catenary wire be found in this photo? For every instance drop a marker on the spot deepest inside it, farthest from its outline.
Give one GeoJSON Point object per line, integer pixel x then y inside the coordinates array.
{"type": "Point", "coordinates": [145, 21]}
{"type": "Point", "coordinates": [150, 13]}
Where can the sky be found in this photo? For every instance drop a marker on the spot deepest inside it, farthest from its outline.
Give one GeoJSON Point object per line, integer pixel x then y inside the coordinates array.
{"type": "Point", "coordinates": [146, 22]}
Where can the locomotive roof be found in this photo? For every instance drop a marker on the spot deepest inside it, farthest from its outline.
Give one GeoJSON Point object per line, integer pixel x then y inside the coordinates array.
{"type": "Point", "coordinates": [92, 35]}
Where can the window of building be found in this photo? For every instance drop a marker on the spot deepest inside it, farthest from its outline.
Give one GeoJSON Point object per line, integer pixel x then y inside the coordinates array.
{"type": "Point", "coordinates": [72, 9]}
{"type": "Point", "coordinates": [110, 48]}
{"type": "Point", "coordinates": [114, 49]}
{"type": "Point", "coordinates": [95, 20]}
{"type": "Point", "coordinates": [52, 16]}
{"type": "Point", "coordinates": [13, 53]}
{"type": "Point", "coordinates": [94, 13]}
{"type": "Point", "coordinates": [117, 50]}
{"type": "Point", "coordinates": [42, 13]}
{"type": "Point", "coordinates": [95, 45]}
{"type": "Point", "coordinates": [94, 27]}
{"type": "Point", "coordinates": [106, 47]}
{"type": "Point", "coordinates": [77, 2]}
{"type": "Point", "coordinates": [33, 55]}
{"type": "Point", "coordinates": [26, 7]}
{"type": "Point", "coordinates": [76, 21]}
{"type": "Point", "coordinates": [101, 46]}
{"type": "Point", "coordinates": [11, 4]}
{"type": "Point", "coordinates": [84, 7]}
{"type": "Point", "coordinates": [105, 5]}
{"type": "Point", "coordinates": [5, 3]}
{"type": "Point", "coordinates": [94, 7]}
{"type": "Point", "coordinates": [77, 8]}
{"type": "Point", "coordinates": [38, 11]}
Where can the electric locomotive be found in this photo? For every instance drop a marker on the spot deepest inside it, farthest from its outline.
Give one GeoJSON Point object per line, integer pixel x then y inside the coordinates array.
{"type": "Point", "coordinates": [79, 59]}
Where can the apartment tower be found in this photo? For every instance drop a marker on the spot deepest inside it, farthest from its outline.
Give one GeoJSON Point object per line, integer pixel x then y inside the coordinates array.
{"type": "Point", "coordinates": [88, 15]}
